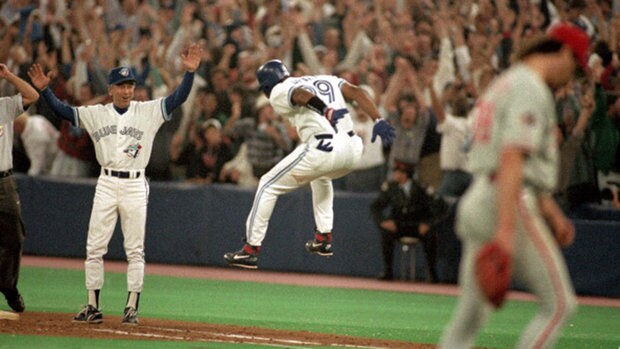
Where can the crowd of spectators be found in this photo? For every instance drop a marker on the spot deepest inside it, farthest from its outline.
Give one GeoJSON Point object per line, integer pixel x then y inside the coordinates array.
{"type": "Point", "coordinates": [424, 62]}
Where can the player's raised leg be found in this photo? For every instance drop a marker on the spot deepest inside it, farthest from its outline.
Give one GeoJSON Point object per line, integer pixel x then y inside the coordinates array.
{"type": "Point", "coordinates": [279, 180]}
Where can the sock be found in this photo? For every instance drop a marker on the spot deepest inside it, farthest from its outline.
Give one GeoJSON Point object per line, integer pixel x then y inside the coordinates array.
{"type": "Point", "coordinates": [133, 299]}
{"type": "Point", "coordinates": [93, 298]}
{"type": "Point", "coordinates": [251, 249]}
{"type": "Point", "coordinates": [323, 237]}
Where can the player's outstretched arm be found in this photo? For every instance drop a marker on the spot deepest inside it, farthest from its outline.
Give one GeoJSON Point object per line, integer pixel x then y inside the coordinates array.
{"type": "Point", "coordinates": [29, 94]}
{"type": "Point", "coordinates": [41, 82]}
{"type": "Point", "coordinates": [382, 128]}
{"type": "Point", "coordinates": [493, 261]}
{"type": "Point", "coordinates": [191, 62]}
{"type": "Point", "coordinates": [358, 95]}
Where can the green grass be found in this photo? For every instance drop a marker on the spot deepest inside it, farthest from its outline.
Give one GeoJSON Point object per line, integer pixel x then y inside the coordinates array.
{"type": "Point", "coordinates": [363, 313]}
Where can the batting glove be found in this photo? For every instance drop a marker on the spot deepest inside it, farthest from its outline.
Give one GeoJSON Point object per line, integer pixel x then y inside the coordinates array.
{"type": "Point", "coordinates": [333, 115]}
{"type": "Point", "coordinates": [383, 130]}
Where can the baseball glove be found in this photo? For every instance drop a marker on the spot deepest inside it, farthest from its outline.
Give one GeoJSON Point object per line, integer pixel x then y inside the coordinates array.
{"type": "Point", "coordinates": [493, 272]}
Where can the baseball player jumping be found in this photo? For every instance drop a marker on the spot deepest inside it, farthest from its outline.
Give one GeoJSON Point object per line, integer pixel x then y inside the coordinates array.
{"type": "Point", "coordinates": [508, 218]}
{"type": "Point", "coordinates": [316, 106]}
{"type": "Point", "coordinates": [123, 133]}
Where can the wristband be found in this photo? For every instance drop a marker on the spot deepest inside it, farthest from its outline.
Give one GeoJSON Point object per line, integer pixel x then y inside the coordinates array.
{"type": "Point", "coordinates": [316, 104]}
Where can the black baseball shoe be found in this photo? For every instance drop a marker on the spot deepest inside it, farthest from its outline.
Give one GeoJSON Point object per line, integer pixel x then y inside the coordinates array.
{"type": "Point", "coordinates": [14, 300]}
{"type": "Point", "coordinates": [130, 316]}
{"type": "Point", "coordinates": [247, 257]}
{"type": "Point", "coordinates": [89, 315]}
{"type": "Point", "coordinates": [321, 245]}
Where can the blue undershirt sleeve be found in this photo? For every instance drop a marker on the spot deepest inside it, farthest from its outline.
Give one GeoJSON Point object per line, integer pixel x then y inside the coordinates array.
{"type": "Point", "coordinates": [61, 109]}
{"type": "Point", "coordinates": [180, 94]}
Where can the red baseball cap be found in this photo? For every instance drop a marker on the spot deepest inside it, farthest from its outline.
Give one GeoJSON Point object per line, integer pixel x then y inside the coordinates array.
{"type": "Point", "coordinates": [575, 38]}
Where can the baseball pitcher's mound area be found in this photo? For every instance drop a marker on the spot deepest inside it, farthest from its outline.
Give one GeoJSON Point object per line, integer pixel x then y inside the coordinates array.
{"type": "Point", "coordinates": [60, 325]}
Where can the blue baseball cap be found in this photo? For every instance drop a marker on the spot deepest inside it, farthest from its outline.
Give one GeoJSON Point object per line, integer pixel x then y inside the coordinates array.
{"type": "Point", "coordinates": [119, 75]}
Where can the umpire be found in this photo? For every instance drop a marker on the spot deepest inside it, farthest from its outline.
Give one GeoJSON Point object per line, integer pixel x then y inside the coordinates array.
{"type": "Point", "coordinates": [11, 225]}
{"type": "Point", "coordinates": [404, 208]}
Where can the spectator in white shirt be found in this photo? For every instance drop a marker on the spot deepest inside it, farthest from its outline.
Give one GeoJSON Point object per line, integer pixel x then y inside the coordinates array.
{"type": "Point", "coordinates": [40, 139]}
{"type": "Point", "coordinates": [454, 128]}
{"type": "Point", "coordinates": [369, 172]}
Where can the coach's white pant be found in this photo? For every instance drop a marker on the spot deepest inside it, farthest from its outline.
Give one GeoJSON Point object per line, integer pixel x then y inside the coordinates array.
{"type": "Point", "coordinates": [316, 162]}
{"type": "Point", "coordinates": [113, 197]}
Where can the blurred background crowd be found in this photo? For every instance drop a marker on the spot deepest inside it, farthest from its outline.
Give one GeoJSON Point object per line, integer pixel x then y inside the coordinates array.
{"type": "Point", "coordinates": [424, 62]}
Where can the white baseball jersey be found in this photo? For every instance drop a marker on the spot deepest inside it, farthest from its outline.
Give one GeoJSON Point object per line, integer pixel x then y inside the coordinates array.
{"type": "Point", "coordinates": [10, 108]}
{"type": "Point", "coordinates": [454, 131]}
{"type": "Point", "coordinates": [123, 141]}
{"type": "Point", "coordinates": [518, 109]}
{"type": "Point", "coordinates": [373, 152]}
{"type": "Point", "coordinates": [40, 139]}
{"type": "Point", "coordinates": [307, 122]}
{"type": "Point", "coordinates": [324, 155]}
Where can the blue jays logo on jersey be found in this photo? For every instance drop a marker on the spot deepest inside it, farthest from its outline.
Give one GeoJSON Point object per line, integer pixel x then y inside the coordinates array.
{"type": "Point", "coordinates": [133, 150]}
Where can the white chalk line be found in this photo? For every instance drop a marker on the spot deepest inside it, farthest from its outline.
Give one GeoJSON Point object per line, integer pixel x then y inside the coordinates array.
{"type": "Point", "coordinates": [162, 336]}
{"type": "Point", "coordinates": [232, 337]}
{"type": "Point", "coordinates": [238, 336]}
{"type": "Point", "coordinates": [288, 341]}
{"type": "Point", "coordinates": [139, 334]}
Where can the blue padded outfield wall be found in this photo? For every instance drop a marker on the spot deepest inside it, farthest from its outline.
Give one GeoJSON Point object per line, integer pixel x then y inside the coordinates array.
{"type": "Point", "coordinates": [196, 224]}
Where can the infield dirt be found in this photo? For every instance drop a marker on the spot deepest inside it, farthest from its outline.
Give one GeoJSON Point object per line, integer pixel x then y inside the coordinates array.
{"type": "Point", "coordinates": [60, 325]}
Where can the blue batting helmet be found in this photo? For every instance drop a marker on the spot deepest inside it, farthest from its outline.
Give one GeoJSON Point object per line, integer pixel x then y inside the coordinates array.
{"type": "Point", "coordinates": [270, 74]}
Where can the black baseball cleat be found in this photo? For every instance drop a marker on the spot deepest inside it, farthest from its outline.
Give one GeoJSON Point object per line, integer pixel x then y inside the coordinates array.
{"type": "Point", "coordinates": [247, 257]}
{"type": "Point", "coordinates": [321, 245]}
{"type": "Point", "coordinates": [89, 315]}
{"type": "Point", "coordinates": [14, 300]}
{"type": "Point", "coordinates": [130, 316]}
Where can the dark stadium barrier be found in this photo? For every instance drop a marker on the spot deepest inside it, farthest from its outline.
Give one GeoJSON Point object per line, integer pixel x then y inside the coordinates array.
{"type": "Point", "coordinates": [196, 224]}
